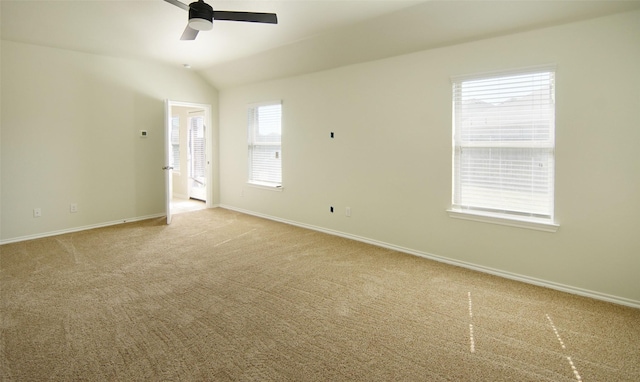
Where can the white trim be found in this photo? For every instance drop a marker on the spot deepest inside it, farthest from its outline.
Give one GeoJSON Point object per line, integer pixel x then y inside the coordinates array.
{"type": "Point", "coordinates": [82, 228]}
{"type": "Point", "coordinates": [266, 186]}
{"type": "Point", "coordinates": [508, 275]}
{"type": "Point", "coordinates": [520, 222]}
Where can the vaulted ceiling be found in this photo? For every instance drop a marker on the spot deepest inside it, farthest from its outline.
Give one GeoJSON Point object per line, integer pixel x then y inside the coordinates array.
{"type": "Point", "coordinates": [311, 34]}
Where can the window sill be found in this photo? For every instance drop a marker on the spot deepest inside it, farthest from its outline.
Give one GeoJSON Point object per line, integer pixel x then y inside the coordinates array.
{"type": "Point", "coordinates": [266, 186]}
{"type": "Point", "coordinates": [528, 223]}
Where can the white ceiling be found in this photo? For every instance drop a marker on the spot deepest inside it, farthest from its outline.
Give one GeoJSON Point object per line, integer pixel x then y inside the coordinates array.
{"type": "Point", "coordinates": [310, 35]}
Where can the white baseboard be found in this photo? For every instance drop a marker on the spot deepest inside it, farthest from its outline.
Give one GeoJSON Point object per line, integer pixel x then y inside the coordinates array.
{"type": "Point", "coordinates": [81, 228]}
{"type": "Point", "coordinates": [463, 264]}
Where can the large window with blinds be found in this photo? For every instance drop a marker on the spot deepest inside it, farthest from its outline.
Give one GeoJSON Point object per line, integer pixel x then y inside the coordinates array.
{"type": "Point", "coordinates": [265, 144]}
{"type": "Point", "coordinates": [504, 145]}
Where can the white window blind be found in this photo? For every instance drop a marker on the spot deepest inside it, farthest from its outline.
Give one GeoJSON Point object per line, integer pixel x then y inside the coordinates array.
{"type": "Point", "coordinates": [265, 144]}
{"type": "Point", "coordinates": [197, 144]}
{"type": "Point", "coordinates": [175, 143]}
{"type": "Point", "coordinates": [504, 144]}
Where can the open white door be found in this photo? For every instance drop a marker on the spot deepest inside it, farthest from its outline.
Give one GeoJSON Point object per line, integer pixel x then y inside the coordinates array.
{"type": "Point", "coordinates": [168, 176]}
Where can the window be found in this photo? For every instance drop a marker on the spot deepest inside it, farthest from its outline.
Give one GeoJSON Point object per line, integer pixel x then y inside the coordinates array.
{"type": "Point", "coordinates": [197, 153]}
{"type": "Point", "coordinates": [265, 146]}
{"type": "Point", "coordinates": [175, 143]}
{"type": "Point", "coordinates": [504, 147]}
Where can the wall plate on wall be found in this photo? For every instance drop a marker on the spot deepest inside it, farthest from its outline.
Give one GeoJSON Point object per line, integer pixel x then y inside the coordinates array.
{"type": "Point", "coordinates": [143, 133]}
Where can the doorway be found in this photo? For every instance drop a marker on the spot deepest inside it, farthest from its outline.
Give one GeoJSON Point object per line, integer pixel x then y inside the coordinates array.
{"type": "Point", "coordinates": [188, 152]}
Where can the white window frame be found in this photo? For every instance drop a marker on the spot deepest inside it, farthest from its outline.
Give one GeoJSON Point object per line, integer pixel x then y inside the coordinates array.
{"type": "Point", "coordinates": [269, 179]}
{"type": "Point", "coordinates": [472, 209]}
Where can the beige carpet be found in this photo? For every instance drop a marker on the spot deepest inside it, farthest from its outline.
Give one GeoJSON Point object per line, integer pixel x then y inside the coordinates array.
{"type": "Point", "coordinates": [221, 296]}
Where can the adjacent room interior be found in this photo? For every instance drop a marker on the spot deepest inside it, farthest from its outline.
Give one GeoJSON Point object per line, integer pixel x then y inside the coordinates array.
{"type": "Point", "coordinates": [188, 159]}
{"type": "Point", "coordinates": [332, 143]}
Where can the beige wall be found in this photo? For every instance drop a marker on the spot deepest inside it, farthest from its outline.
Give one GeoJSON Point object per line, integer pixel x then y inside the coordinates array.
{"type": "Point", "coordinates": [70, 134]}
{"type": "Point", "coordinates": [390, 160]}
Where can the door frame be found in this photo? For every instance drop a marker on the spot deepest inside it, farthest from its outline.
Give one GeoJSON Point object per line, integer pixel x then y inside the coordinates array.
{"type": "Point", "coordinates": [169, 104]}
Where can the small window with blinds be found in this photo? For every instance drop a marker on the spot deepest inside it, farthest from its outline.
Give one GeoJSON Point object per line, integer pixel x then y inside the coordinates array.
{"type": "Point", "coordinates": [175, 143]}
{"type": "Point", "coordinates": [504, 146]}
{"type": "Point", "coordinates": [265, 144]}
{"type": "Point", "coordinates": [197, 153]}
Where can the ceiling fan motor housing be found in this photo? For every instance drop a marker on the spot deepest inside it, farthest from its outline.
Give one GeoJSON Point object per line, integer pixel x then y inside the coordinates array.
{"type": "Point", "coordinates": [200, 16]}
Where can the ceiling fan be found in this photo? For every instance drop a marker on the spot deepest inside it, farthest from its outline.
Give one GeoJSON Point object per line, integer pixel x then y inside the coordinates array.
{"type": "Point", "coordinates": [201, 16]}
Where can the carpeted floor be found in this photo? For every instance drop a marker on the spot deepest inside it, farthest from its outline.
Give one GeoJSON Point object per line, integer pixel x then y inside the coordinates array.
{"type": "Point", "coordinates": [219, 296]}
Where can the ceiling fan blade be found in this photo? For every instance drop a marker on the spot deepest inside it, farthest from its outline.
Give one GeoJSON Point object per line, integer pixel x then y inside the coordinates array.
{"type": "Point", "coordinates": [252, 17]}
{"type": "Point", "coordinates": [189, 33]}
{"type": "Point", "coordinates": [178, 4]}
